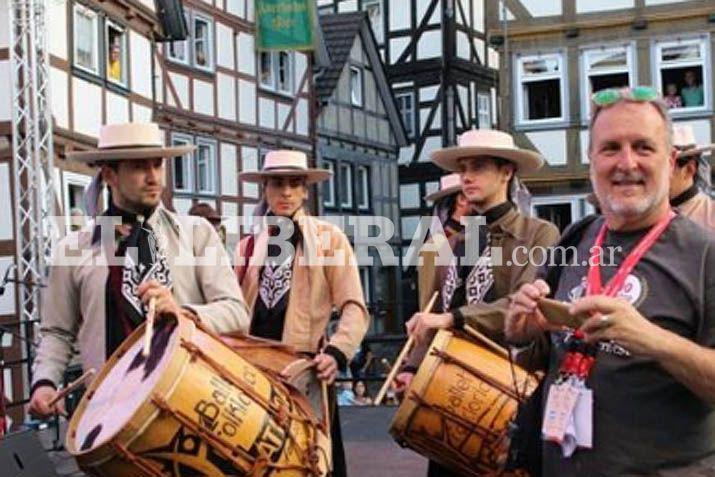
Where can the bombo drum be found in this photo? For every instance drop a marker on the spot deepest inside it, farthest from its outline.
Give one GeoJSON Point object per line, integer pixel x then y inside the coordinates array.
{"type": "Point", "coordinates": [193, 407]}
{"type": "Point", "coordinates": [459, 406]}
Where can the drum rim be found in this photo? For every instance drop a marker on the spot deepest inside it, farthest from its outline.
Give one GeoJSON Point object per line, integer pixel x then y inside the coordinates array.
{"type": "Point", "coordinates": [146, 412]}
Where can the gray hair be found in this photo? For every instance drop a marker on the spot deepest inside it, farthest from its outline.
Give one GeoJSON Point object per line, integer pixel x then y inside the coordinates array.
{"type": "Point", "coordinates": [658, 104]}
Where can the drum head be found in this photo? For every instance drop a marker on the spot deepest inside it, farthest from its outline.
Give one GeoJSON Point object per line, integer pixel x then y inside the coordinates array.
{"type": "Point", "coordinates": [124, 388]}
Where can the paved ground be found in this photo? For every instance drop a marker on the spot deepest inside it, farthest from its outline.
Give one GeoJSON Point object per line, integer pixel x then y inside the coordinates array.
{"type": "Point", "coordinates": [369, 449]}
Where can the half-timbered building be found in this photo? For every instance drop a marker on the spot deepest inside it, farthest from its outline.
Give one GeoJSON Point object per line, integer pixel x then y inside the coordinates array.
{"type": "Point", "coordinates": [556, 54]}
{"type": "Point", "coordinates": [444, 77]}
{"type": "Point", "coordinates": [360, 133]}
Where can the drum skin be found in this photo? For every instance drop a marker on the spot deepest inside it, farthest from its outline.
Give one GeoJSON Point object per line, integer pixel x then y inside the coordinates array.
{"type": "Point", "coordinates": [210, 413]}
{"type": "Point", "coordinates": [459, 405]}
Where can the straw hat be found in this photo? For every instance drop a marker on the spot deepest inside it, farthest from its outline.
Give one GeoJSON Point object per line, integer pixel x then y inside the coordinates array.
{"type": "Point", "coordinates": [282, 163]}
{"type": "Point", "coordinates": [448, 185]}
{"type": "Point", "coordinates": [684, 142]}
{"type": "Point", "coordinates": [487, 142]}
{"type": "Point", "coordinates": [118, 142]}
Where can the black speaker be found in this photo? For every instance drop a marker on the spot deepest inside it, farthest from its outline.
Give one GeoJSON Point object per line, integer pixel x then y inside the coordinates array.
{"type": "Point", "coordinates": [22, 455]}
{"type": "Point", "coordinates": [172, 20]}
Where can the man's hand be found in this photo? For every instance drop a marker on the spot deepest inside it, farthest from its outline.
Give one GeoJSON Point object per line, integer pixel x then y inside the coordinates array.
{"type": "Point", "coordinates": [616, 319]}
{"type": "Point", "coordinates": [326, 367]}
{"type": "Point", "coordinates": [523, 319]}
{"type": "Point", "coordinates": [40, 403]}
{"type": "Point", "coordinates": [402, 382]}
{"type": "Point", "coordinates": [164, 302]}
{"type": "Point", "coordinates": [421, 324]}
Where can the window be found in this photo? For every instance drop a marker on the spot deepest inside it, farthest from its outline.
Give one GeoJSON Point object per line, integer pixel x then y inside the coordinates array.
{"type": "Point", "coordinates": [606, 68]}
{"type": "Point", "coordinates": [179, 50]}
{"type": "Point", "coordinates": [116, 49]}
{"type": "Point", "coordinates": [682, 75]}
{"type": "Point", "coordinates": [406, 105]}
{"type": "Point", "coordinates": [285, 73]}
{"type": "Point", "coordinates": [276, 71]}
{"type": "Point", "coordinates": [346, 185]}
{"type": "Point", "coordinates": [374, 14]}
{"type": "Point", "coordinates": [181, 166]}
{"type": "Point", "coordinates": [540, 89]}
{"type": "Point", "coordinates": [356, 86]}
{"type": "Point", "coordinates": [363, 187]}
{"type": "Point", "coordinates": [198, 49]}
{"type": "Point", "coordinates": [484, 110]}
{"type": "Point", "coordinates": [329, 185]}
{"type": "Point", "coordinates": [202, 42]}
{"type": "Point", "coordinates": [559, 210]}
{"type": "Point", "coordinates": [195, 173]}
{"type": "Point", "coordinates": [74, 186]}
{"type": "Point", "coordinates": [86, 40]}
{"type": "Point", "coordinates": [205, 167]}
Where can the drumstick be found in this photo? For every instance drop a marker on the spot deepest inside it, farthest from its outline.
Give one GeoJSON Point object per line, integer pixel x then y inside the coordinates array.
{"type": "Point", "coordinates": [482, 337]}
{"type": "Point", "coordinates": [72, 386]}
{"type": "Point", "coordinates": [149, 330]}
{"type": "Point", "coordinates": [326, 406]}
{"type": "Point", "coordinates": [400, 357]}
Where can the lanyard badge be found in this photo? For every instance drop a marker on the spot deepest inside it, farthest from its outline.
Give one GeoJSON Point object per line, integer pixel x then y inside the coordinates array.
{"type": "Point", "coordinates": [568, 415]}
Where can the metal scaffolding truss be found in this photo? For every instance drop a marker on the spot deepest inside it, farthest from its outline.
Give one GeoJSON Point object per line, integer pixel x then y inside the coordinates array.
{"type": "Point", "coordinates": [32, 161]}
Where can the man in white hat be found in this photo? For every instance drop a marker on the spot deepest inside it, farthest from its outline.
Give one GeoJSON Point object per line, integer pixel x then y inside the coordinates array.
{"type": "Point", "coordinates": [296, 270]}
{"type": "Point", "coordinates": [685, 194]}
{"type": "Point", "coordinates": [103, 276]}
{"type": "Point", "coordinates": [478, 294]}
{"type": "Point", "coordinates": [450, 205]}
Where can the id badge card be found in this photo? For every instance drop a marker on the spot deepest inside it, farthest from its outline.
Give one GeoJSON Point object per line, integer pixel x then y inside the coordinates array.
{"type": "Point", "coordinates": [559, 408]}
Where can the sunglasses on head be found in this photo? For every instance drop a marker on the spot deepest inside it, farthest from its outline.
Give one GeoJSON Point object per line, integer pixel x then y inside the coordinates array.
{"type": "Point", "coordinates": [607, 97]}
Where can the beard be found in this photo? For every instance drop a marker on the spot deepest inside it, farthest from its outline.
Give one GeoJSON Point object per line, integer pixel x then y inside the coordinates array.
{"type": "Point", "coordinates": [631, 206]}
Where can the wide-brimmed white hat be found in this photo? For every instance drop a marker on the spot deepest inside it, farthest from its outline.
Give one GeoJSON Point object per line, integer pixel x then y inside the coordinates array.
{"type": "Point", "coordinates": [118, 142]}
{"type": "Point", "coordinates": [487, 142]}
{"type": "Point", "coordinates": [282, 163]}
{"type": "Point", "coordinates": [448, 185]}
{"type": "Point", "coordinates": [684, 142]}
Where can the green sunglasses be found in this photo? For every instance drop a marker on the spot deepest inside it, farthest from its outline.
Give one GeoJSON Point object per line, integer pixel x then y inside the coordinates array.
{"type": "Point", "coordinates": [607, 97]}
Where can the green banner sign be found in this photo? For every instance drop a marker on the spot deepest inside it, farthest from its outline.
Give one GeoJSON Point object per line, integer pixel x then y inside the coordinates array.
{"type": "Point", "coordinates": [285, 24]}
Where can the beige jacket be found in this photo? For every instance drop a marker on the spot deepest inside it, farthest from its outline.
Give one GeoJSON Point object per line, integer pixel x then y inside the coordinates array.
{"type": "Point", "coordinates": [73, 309]}
{"type": "Point", "coordinates": [315, 289]}
{"type": "Point", "coordinates": [700, 209]}
{"type": "Point", "coordinates": [508, 233]}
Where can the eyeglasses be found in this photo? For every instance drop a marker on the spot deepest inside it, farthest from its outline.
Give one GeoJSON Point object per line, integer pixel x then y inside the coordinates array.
{"type": "Point", "coordinates": [607, 97]}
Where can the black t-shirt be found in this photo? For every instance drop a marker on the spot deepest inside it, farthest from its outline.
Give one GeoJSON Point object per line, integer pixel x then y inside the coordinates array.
{"type": "Point", "coordinates": [643, 419]}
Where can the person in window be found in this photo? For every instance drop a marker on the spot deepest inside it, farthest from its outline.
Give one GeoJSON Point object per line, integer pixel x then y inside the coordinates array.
{"type": "Point", "coordinates": [692, 93]}
{"type": "Point", "coordinates": [672, 98]}
{"type": "Point", "coordinates": [295, 270]}
{"type": "Point", "coordinates": [115, 62]}
{"type": "Point", "coordinates": [685, 195]}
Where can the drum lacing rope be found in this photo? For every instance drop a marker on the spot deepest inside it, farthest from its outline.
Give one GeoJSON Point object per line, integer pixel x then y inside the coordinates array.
{"type": "Point", "coordinates": [282, 414]}
{"type": "Point", "coordinates": [140, 462]}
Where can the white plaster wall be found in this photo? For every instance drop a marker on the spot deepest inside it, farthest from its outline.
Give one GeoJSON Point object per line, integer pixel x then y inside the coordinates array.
{"type": "Point", "coordinates": [266, 113]}
{"type": "Point", "coordinates": [224, 46]}
{"type": "Point", "coordinates": [551, 144]}
{"type": "Point", "coordinates": [540, 8]}
{"type": "Point", "coordinates": [141, 114]}
{"type": "Point", "coordinates": [226, 96]}
{"type": "Point", "coordinates": [397, 47]}
{"type": "Point", "coordinates": [6, 98]}
{"type": "Point", "coordinates": [236, 7]}
{"type": "Point", "coordinates": [7, 232]}
{"type": "Point", "coordinates": [182, 205]}
{"type": "Point", "coordinates": [249, 162]}
{"type": "Point", "coordinates": [347, 6]}
{"type": "Point", "coordinates": [399, 18]}
{"type": "Point", "coordinates": [181, 85]}
{"type": "Point", "coordinates": [229, 178]}
{"type": "Point", "coordinates": [247, 102]}
{"type": "Point", "coordinates": [283, 110]}
{"type": "Point", "coordinates": [140, 57]}
{"type": "Point", "coordinates": [56, 28]}
{"type": "Point", "coordinates": [87, 104]}
{"type": "Point", "coordinates": [462, 45]}
{"type": "Point", "coordinates": [246, 54]}
{"type": "Point", "coordinates": [302, 118]}
{"type": "Point", "coordinates": [429, 45]}
{"type": "Point", "coordinates": [406, 154]}
{"type": "Point", "coordinates": [589, 6]}
{"type": "Point", "coordinates": [7, 300]}
{"type": "Point", "coordinates": [117, 108]}
{"type": "Point", "coordinates": [203, 97]}
{"type": "Point", "coordinates": [431, 144]}
{"type": "Point", "coordinates": [478, 15]}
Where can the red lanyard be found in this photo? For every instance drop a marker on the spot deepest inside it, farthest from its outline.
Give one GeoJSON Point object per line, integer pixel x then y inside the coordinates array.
{"type": "Point", "coordinates": [614, 285]}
